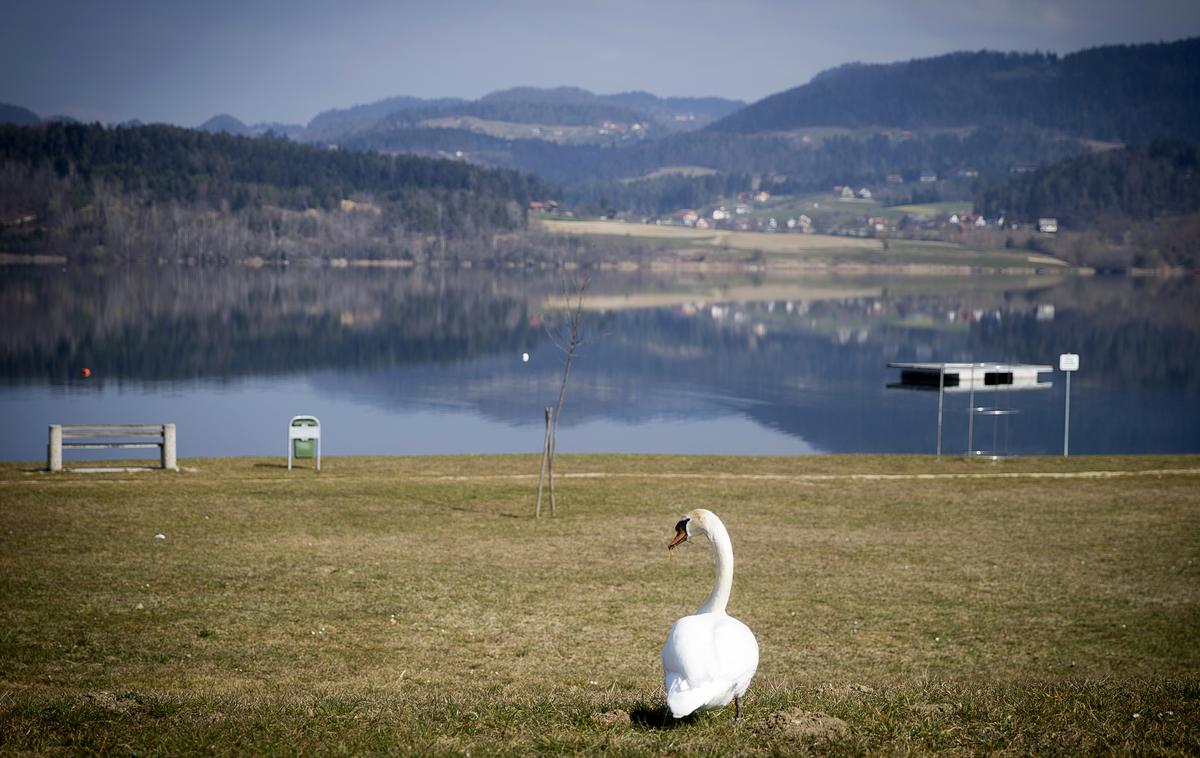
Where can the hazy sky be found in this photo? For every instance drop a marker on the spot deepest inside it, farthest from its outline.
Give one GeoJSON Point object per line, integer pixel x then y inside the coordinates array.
{"type": "Point", "coordinates": [287, 60]}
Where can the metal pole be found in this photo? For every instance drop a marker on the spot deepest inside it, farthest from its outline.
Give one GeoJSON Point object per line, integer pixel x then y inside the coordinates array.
{"type": "Point", "coordinates": [1067, 418]}
{"type": "Point", "coordinates": [941, 394]}
{"type": "Point", "coordinates": [971, 415]}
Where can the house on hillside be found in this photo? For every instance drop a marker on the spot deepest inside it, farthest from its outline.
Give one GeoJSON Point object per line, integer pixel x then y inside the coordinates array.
{"type": "Point", "coordinates": [864, 194]}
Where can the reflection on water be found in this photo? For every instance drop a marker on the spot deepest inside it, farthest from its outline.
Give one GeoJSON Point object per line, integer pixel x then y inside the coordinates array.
{"type": "Point", "coordinates": [413, 361]}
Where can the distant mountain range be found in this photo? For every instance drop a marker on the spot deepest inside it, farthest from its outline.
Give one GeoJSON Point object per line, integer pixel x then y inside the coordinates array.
{"type": "Point", "coordinates": [1120, 93]}
{"type": "Point", "coordinates": [924, 130]}
{"type": "Point", "coordinates": [15, 114]}
{"type": "Point", "coordinates": [554, 107]}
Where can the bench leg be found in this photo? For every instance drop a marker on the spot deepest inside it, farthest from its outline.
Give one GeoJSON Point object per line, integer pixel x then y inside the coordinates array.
{"type": "Point", "coordinates": [168, 448]}
{"type": "Point", "coordinates": [54, 449]}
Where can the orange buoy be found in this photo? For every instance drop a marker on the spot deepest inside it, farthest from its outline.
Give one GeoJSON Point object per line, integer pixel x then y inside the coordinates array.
{"type": "Point", "coordinates": [85, 372]}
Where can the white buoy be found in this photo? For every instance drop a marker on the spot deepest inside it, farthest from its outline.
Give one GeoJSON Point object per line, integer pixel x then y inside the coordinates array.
{"type": "Point", "coordinates": [525, 357]}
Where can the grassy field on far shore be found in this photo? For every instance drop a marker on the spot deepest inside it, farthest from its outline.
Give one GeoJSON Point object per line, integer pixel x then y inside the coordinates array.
{"type": "Point", "coordinates": [414, 605]}
{"type": "Point", "coordinates": [787, 249]}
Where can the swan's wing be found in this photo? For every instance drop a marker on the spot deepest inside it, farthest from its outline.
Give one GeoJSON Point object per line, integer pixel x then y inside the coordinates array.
{"type": "Point", "coordinates": [707, 660]}
{"type": "Point", "coordinates": [737, 653]}
{"type": "Point", "coordinates": [688, 665]}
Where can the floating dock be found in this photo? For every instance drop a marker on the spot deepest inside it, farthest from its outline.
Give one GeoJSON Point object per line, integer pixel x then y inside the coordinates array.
{"type": "Point", "coordinates": [968, 377]}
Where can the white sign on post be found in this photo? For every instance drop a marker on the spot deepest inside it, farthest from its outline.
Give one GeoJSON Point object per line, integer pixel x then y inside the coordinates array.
{"type": "Point", "coordinates": [1067, 362]}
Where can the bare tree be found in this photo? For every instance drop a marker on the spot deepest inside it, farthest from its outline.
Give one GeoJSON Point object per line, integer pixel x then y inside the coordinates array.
{"type": "Point", "coordinates": [568, 340]}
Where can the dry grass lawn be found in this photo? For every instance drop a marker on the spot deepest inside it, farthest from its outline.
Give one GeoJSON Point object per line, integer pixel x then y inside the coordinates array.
{"type": "Point", "coordinates": [413, 605]}
{"type": "Point", "coordinates": [768, 243]}
{"type": "Point", "coordinates": [789, 251]}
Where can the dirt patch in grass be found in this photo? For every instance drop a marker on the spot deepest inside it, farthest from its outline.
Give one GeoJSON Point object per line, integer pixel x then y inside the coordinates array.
{"type": "Point", "coordinates": [798, 723]}
{"type": "Point", "coordinates": [614, 718]}
{"type": "Point", "coordinates": [111, 701]}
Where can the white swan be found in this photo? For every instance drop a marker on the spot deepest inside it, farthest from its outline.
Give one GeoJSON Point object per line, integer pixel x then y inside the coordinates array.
{"type": "Point", "coordinates": [709, 657]}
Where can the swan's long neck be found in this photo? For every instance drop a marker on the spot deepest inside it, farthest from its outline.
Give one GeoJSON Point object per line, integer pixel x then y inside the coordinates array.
{"type": "Point", "coordinates": [723, 551]}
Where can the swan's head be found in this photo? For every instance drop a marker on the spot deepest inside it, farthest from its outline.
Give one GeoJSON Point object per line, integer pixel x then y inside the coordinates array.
{"type": "Point", "coordinates": [693, 523]}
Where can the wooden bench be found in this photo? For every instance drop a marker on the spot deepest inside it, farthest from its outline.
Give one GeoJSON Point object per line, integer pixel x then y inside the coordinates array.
{"type": "Point", "coordinates": [124, 436]}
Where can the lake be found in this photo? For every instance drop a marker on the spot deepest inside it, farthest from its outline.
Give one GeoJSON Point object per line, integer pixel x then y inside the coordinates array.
{"type": "Point", "coordinates": [422, 361]}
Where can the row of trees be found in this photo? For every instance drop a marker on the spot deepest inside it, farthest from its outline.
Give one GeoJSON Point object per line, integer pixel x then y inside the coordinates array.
{"type": "Point", "coordinates": [161, 191]}
{"type": "Point", "coordinates": [168, 164]}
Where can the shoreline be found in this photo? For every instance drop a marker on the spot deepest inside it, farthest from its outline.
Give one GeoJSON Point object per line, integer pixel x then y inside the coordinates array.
{"type": "Point", "coordinates": [817, 466]}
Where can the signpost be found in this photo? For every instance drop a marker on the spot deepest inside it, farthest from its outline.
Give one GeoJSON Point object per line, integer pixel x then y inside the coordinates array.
{"type": "Point", "coordinates": [1067, 363]}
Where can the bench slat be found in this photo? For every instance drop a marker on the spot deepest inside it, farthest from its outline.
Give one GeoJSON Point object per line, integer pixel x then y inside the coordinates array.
{"type": "Point", "coordinates": [111, 426]}
{"type": "Point", "coordinates": [88, 445]}
{"type": "Point", "coordinates": [111, 431]}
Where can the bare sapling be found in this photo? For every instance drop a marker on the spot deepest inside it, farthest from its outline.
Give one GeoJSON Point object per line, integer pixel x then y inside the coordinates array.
{"type": "Point", "coordinates": [568, 340]}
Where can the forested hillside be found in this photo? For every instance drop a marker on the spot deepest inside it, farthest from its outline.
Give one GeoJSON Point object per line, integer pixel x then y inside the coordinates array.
{"type": "Point", "coordinates": [1129, 93]}
{"type": "Point", "coordinates": [1134, 184]}
{"type": "Point", "coordinates": [1137, 206]}
{"type": "Point", "coordinates": [334, 124]}
{"type": "Point", "coordinates": [966, 118]}
{"type": "Point", "coordinates": [140, 188]}
{"type": "Point", "coordinates": [589, 174]}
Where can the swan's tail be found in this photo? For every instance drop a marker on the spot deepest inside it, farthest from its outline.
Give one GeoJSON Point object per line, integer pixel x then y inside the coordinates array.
{"type": "Point", "coordinates": [684, 700]}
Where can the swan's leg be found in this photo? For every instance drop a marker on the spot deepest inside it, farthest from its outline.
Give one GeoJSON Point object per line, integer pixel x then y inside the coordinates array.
{"type": "Point", "coordinates": [737, 705]}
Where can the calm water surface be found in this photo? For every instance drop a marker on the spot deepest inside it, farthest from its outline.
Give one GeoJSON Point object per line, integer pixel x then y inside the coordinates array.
{"type": "Point", "coordinates": [430, 361]}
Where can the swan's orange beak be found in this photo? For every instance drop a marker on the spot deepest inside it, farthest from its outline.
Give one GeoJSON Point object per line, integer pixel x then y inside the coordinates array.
{"type": "Point", "coordinates": [680, 536]}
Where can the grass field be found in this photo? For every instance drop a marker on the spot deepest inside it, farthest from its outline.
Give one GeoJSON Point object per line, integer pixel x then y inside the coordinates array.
{"type": "Point", "coordinates": [931, 209]}
{"type": "Point", "coordinates": [787, 250]}
{"type": "Point", "coordinates": [413, 605]}
{"type": "Point", "coordinates": [789, 243]}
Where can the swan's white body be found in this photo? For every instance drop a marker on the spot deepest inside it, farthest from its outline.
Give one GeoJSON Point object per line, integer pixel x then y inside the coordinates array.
{"type": "Point", "coordinates": [709, 657]}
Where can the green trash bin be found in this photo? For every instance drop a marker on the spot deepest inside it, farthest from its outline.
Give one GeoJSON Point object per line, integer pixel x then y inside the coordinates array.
{"type": "Point", "coordinates": [304, 439]}
{"type": "Point", "coordinates": [304, 448]}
